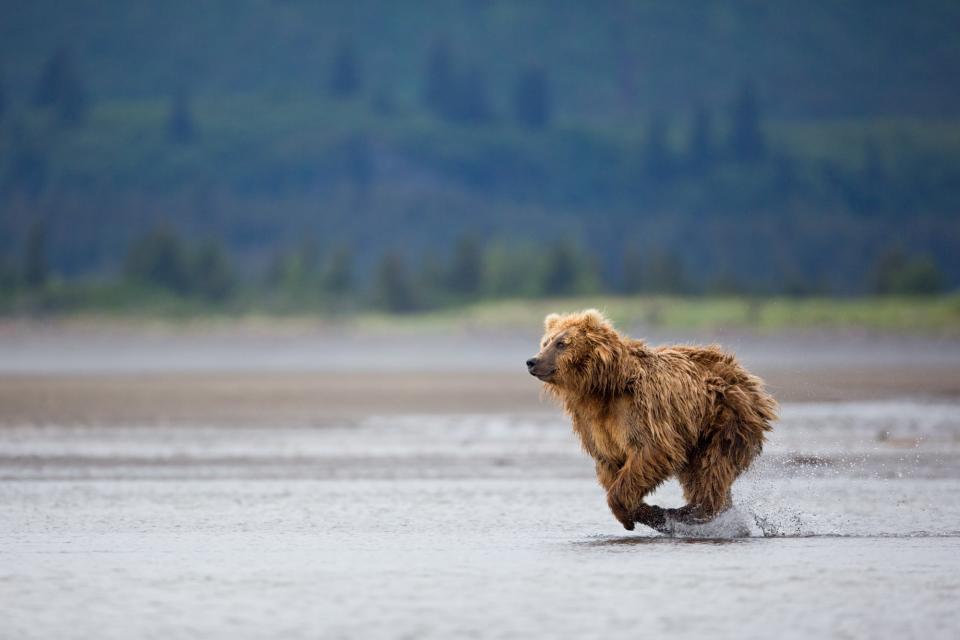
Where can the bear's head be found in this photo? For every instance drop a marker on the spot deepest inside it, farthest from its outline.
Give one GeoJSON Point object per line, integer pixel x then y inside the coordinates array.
{"type": "Point", "coordinates": [579, 351]}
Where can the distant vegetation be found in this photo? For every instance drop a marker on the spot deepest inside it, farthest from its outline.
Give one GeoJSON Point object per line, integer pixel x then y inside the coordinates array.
{"type": "Point", "coordinates": [166, 275]}
{"type": "Point", "coordinates": [332, 154]}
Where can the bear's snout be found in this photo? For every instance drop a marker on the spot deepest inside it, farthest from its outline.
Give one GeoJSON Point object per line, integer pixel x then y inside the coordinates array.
{"type": "Point", "coordinates": [540, 369]}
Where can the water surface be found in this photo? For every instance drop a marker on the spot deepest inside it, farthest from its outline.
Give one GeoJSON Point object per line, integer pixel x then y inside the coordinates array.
{"type": "Point", "coordinates": [470, 526]}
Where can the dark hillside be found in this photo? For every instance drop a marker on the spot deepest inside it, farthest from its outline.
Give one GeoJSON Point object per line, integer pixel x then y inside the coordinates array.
{"type": "Point", "coordinates": [773, 146]}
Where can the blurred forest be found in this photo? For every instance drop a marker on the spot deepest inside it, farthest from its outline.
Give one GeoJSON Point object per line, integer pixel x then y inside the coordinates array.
{"type": "Point", "coordinates": [411, 155]}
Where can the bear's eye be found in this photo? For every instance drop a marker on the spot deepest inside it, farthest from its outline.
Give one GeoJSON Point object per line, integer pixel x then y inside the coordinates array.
{"type": "Point", "coordinates": [561, 344]}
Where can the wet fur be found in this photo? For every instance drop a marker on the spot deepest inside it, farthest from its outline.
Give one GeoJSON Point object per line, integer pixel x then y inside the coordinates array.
{"type": "Point", "coordinates": [648, 414]}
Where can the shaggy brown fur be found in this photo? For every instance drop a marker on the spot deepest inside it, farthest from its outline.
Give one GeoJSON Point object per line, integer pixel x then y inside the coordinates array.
{"type": "Point", "coordinates": [647, 414]}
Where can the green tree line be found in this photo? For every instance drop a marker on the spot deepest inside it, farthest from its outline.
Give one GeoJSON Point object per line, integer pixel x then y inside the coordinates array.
{"type": "Point", "coordinates": [310, 277]}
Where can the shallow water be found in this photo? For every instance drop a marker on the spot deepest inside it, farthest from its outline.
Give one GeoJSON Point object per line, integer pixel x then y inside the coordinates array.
{"type": "Point", "coordinates": [485, 526]}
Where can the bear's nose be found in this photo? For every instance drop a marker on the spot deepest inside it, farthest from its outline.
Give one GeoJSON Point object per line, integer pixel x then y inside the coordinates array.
{"type": "Point", "coordinates": [531, 363]}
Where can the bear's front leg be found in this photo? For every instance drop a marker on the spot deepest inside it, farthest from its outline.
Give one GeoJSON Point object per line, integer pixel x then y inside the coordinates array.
{"type": "Point", "coordinates": [620, 511]}
{"type": "Point", "coordinates": [607, 474]}
{"type": "Point", "coordinates": [643, 472]}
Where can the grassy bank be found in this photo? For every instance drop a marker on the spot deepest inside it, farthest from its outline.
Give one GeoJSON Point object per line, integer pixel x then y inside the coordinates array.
{"type": "Point", "coordinates": [123, 304]}
{"type": "Point", "coordinates": [934, 315]}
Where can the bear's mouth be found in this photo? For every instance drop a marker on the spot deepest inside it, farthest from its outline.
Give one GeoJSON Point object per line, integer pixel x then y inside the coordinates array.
{"type": "Point", "coordinates": [543, 376]}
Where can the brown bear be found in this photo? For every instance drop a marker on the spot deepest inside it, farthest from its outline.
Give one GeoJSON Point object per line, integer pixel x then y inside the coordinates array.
{"type": "Point", "coordinates": [646, 414]}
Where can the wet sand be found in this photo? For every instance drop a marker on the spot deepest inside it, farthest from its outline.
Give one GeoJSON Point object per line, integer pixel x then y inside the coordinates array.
{"type": "Point", "coordinates": [293, 374]}
{"type": "Point", "coordinates": [318, 397]}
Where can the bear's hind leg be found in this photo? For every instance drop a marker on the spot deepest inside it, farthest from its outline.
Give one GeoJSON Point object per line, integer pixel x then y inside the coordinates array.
{"type": "Point", "coordinates": [706, 491]}
{"type": "Point", "coordinates": [708, 476]}
{"type": "Point", "coordinates": [699, 509]}
{"type": "Point", "coordinates": [727, 447]}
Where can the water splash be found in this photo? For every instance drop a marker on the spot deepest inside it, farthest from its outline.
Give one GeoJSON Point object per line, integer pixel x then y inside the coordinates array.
{"type": "Point", "coordinates": [732, 523]}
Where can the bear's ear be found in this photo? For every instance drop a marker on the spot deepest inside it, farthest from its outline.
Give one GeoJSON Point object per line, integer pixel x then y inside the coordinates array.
{"type": "Point", "coordinates": [551, 321]}
{"type": "Point", "coordinates": [595, 320]}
